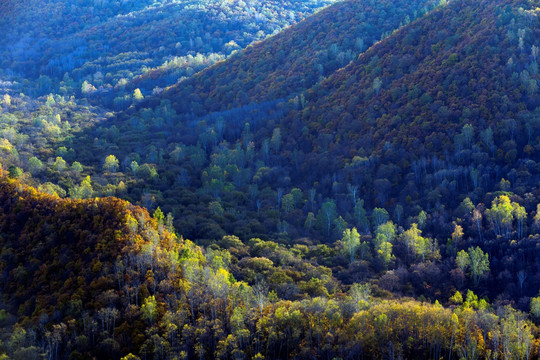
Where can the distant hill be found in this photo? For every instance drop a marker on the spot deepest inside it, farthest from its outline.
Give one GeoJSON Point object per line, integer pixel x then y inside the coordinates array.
{"type": "Point", "coordinates": [56, 45]}
{"type": "Point", "coordinates": [445, 105]}
{"type": "Point", "coordinates": [297, 58]}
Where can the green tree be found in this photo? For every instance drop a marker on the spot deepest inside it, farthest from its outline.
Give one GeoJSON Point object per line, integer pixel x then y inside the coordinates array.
{"type": "Point", "coordinates": [384, 253]}
{"type": "Point", "coordinates": [351, 242]}
{"type": "Point", "coordinates": [137, 95]}
{"type": "Point", "coordinates": [422, 218]}
{"type": "Point", "coordinates": [297, 196]}
{"type": "Point", "coordinates": [326, 215]}
{"type": "Point", "coordinates": [412, 239]}
{"type": "Point", "coordinates": [521, 216]}
{"type": "Point", "coordinates": [287, 203]}
{"type": "Point", "coordinates": [77, 167]}
{"type": "Point", "coordinates": [535, 306]}
{"type": "Point", "coordinates": [34, 165]}
{"type": "Point", "coordinates": [501, 215]}
{"type": "Point", "coordinates": [479, 264]}
{"type": "Point", "coordinates": [360, 294]}
{"type": "Point", "coordinates": [110, 164]}
{"type": "Point", "coordinates": [149, 309]}
{"type": "Point", "coordinates": [360, 216]}
{"type": "Point", "coordinates": [339, 225]}
{"type": "Point", "coordinates": [15, 172]}
{"type": "Point", "coordinates": [310, 220]}
{"type": "Point", "coordinates": [463, 260]}
{"type": "Point", "coordinates": [59, 164]}
{"type": "Point", "coordinates": [388, 229]}
{"type": "Point", "coordinates": [215, 208]}
{"type": "Point", "coordinates": [379, 216]}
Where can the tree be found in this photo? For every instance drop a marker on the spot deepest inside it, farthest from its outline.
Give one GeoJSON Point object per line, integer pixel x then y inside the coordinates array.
{"type": "Point", "coordinates": [520, 215]}
{"type": "Point", "coordinates": [360, 294]}
{"type": "Point", "coordinates": [297, 195]}
{"type": "Point", "coordinates": [351, 242]}
{"type": "Point", "coordinates": [339, 225]}
{"type": "Point", "coordinates": [87, 88]}
{"type": "Point", "coordinates": [287, 203]}
{"type": "Point", "coordinates": [137, 95]}
{"type": "Point", "coordinates": [479, 263]}
{"type": "Point", "coordinates": [414, 241]}
{"type": "Point", "coordinates": [149, 309]}
{"type": "Point", "coordinates": [34, 165]}
{"type": "Point", "coordinates": [384, 254]}
{"type": "Point", "coordinates": [83, 191]}
{"type": "Point", "coordinates": [276, 139]}
{"type": "Point", "coordinates": [310, 220]}
{"type": "Point", "coordinates": [215, 208]}
{"type": "Point", "coordinates": [422, 218]}
{"type": "Point", "coordinates": [457, 235]}
{"type": "Point", "coordinates": [535, 306]}
{"type": "Point", "coordinates": [59, 164]}
{"type": "Point", "coordinates": [379, 216]}
{"type": "Point", "coordinates": [77, 167]}
{"type": "Point", "coordinates": [537, 217]}
{"type": "Point", "coordinates": [360, 216]}
{"type": "Point", "coordinates": [501, 215]}
{"type": "Point", "coordinates": [398, 213]}
{"type": "Point", "coordinates": [377, 83]}
{"type": "Point", "coordinates": [468, 134]}
{"type": "Point", "coordinates": [326, 215]}
{"type": "Point", "coordinates": [111, 164]}
{"type": "Point", "coordinates": [463, 260]}
{"type": "Point", "coordinates": [15, 172]}
{"type": "Point", "coordinates": [477, 218]}
{"type": "Point", "coordinates": [388, 229]}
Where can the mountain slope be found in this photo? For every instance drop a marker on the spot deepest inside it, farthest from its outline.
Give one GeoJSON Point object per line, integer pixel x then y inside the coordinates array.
{"type": "Point", "coordinates": [58, 45]}
{"type": "Point", "coordinates": [297, 58]}
{"type": "Point", "coordinates": [477, 66]}
{"type": "Point", "coordinates": [446, 104]}
{"type": "Point", "coordinates": [459, 88]}
{"type": "Point", "coordinates": [66, 259]}
{"type": "Point", "coordinates": [101, 279]}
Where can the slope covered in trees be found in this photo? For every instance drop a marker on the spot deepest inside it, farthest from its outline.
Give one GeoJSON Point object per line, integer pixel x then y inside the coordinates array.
{"type": "Point", "coordinates": [97, 46]}
{"type": "Point", "coordinates": [319, 212]}
{"type": "Point", "coordinates": [101, 278]}
{"type": "Point", "coordinates": [297, 58]}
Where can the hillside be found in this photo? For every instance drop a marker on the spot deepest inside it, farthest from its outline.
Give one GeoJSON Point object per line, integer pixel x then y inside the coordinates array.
{"type": "Point", "coordinates": [370, 193]}
{"type": "Point", "coordinates": [101, 278]}
{"type": "Point", "coordinates": [297, 58]}
{"type": "Point", "coordinates": [57, 46]}
{"type": "Point", "coordinates": [74, 266]}
{"type": "Point", "coordinates": [307, 170]}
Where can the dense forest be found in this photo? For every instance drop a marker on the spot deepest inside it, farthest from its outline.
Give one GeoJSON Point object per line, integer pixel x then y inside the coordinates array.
{"type": "Point", "coordinates": [94, 46]}
{"type": "Point", "coordinates": [363, 184]}
{"type": "Point", "coordinates": [101, 278]}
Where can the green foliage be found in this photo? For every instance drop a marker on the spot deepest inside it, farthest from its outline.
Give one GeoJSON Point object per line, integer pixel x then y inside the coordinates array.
{"type": "Point", "coordinates": [433, 114]}
{"type": "Point", "coordinates": [110, 164]}
{"type": "Point", "coordinates": [351, 242]}
{"type": "Point", "coordinates": [149, 309]}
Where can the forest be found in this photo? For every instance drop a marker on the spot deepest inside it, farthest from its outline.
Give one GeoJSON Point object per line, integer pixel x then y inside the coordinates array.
{"type": "Point", "coordinates": [369, 193]}
{"type": "Point", "coordinates": [95, 46]}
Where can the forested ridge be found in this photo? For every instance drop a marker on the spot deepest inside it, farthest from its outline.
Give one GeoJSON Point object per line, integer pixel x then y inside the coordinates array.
{"type": "Point", "coordinates": [100, 277]}
{"type": "Point", "coordinates": [295, 59]}
{"type": "Point", "coordinates": [371, 193]}
{"type": "Point", "coordinates": [93, 47]}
